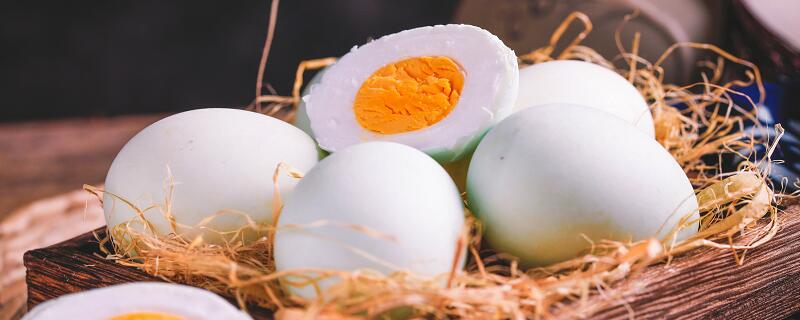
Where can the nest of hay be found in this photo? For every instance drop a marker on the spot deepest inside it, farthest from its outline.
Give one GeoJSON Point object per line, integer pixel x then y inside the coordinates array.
{"type": "Point", "coordinates": [698, 123]}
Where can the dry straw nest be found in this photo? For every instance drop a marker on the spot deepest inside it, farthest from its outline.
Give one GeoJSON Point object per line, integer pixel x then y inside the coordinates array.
{"type": "Point", "coordinates": [699, 124]}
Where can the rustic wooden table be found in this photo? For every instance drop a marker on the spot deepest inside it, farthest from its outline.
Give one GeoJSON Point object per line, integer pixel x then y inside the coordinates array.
{"type": "Point", "coordinates": [43, 159]}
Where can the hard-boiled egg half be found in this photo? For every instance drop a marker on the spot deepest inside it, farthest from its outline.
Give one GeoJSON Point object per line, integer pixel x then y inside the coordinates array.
{"type": "Point", "coordinates": [549, 179]}
{"type": "Point", "coordinates": [437, 89]}
{"type": "Point", "coordinates": [587, 84]}
{"type": "Point", "coordinates": [138, 301]}
{"type": "Point", "coordinates": [378, 205]}
{"type": "Point", "coordinates": [203, 163]}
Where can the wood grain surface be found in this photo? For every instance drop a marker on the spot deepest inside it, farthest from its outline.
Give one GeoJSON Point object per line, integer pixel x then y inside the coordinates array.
{"type": "Point", "coordinates": [46, 158]}
{"type": "Point", "coordinates": [40, 160]}
{"type": "Point", "coordinates": [77, 265]}
{"type": "Point", "coordinates": [706, 284]}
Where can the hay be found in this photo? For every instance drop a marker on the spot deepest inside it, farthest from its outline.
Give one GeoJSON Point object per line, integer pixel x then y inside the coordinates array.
{"type": "Point", "coordinates": [708, 126]}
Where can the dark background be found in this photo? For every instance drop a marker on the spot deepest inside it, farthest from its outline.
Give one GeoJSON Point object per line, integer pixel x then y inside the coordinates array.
{"type": "Point", "coordinates": [110, 57]}
{"type": "Point", "coordinates": [101, 57]}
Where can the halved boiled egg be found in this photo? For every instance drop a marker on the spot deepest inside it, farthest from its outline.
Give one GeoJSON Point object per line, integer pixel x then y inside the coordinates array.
{"type": "Point", "coordinates": [138, 301]}
{"type": "Point", "coordinates": [437, 89]}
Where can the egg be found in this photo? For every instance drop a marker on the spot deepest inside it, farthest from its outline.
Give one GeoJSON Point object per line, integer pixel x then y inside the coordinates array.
{"type": "Point", "coordinates": [138, 301]}
{"type": "Point", "coordinates": [203, 162]}
{"type": "Point", "coordinates": [587, 84]}
{"type": "Point", "coordinates": [545, 176]}
{"type": "Point", "coordinates": [301, 120]}
{"type": "Point", "coordinates": [389, 188]}
{"type": "Point", "coordinates": [437, 89]}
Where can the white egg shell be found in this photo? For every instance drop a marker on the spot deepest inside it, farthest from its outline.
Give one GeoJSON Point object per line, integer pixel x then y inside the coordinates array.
{"type": "Point", "coordinates": [218, 160]}
{"type": "Point", "coordinates": [387, 187]}
{"type": "Point", "coordinates": [169, 299]}
{"type": "Point", "coordinates": [587, 84]}
{"type": "Point", "coordinates": [490, 88]}
{"type": "Point", "coordinates": [546, 175]}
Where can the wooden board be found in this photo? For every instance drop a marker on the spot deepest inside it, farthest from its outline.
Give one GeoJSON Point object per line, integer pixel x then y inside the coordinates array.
{"type": "Point", "coordinates": [706, 284]}
{"type": "Point", "coordinates": [77, 265]}
{"type": "Point", "coordinates": [40, 159]}
{"type": "Point", "coordinates": [45, 158]}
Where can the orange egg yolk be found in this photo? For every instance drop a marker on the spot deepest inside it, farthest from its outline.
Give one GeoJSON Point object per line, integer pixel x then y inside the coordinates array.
{"type": "Point", "coordinates": [146, 316]}
{"type": "Point", "coordinates": [409, 95]}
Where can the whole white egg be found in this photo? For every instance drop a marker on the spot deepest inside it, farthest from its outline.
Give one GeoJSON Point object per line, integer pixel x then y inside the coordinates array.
{"type": "Point", "coordinates": [587, 84]}
{"type": "Point", "coordinates": [390, 188]}
{"type": "Point", "coordinates": [547, 175]}
{"type": "Point", "coordinates": [214, 160]}
{"type": "Point", "coordinates": [138, 300]}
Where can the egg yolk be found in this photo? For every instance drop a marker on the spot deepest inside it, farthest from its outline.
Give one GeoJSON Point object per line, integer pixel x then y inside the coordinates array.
{"type": "Point", "coordinates": [408, 95]}
{"type": "Point", "coordinates": [145, 316]}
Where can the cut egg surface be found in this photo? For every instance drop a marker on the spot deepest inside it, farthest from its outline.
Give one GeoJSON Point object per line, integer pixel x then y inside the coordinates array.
{"type": "Point", "coordinates": [138, 301]}
{"type": "Point", "coordinates": [378, 205]}
{"type": "Point", "coordinates": [545, 177]}
{"type": "Point", "coordinates": [437, 89]}
{"type": "Point", "coordinates": [203, 163]}
{"type": "Point", "coordinates": [587, 84]}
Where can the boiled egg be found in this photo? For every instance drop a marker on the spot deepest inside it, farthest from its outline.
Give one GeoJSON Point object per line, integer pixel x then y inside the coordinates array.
{"type": "Point", "coordinates": [547, 176]}
{"type": "Point", "coordinates": [437, 89]}
{"type": "Point", "coordinates": [408, 202]}
{"type": "Point", "coordinates": [203, 163]}
{"type": "Point", "coordinates": [138, 301]}
{"type": "Point", "coordinates": [587, 84]}
{"type": "Point", "coordinates": [301, 120]}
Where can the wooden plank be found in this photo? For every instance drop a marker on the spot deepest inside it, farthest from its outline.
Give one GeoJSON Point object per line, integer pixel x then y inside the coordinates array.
{"type": "Point", "coordinates": [709, 285]}
{"type": "Point", "coordinates": [46, 158]}
{"type": "Point", "coordinates": [77, 265]}
{"type": "Point", "coordinates": [72, 267]}
{"type": "Point", "coordinates": [41, 159]}
{"type": "Point", "coordinates": [704, 285]}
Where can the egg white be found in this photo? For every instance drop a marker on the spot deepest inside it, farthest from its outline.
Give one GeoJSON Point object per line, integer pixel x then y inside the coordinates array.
{"type": "Point", "coordinates": [490, 89]}
{"type": "Point", "coordinates": [170, 299]}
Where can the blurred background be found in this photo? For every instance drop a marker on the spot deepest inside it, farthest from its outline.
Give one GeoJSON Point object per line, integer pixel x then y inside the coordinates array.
{"type": "Point", "coordinates": [100, 58]}
{"type": "Point", "coordinates": [105, 58]}
{"type": "Point", "coordinates": [79, 78]}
